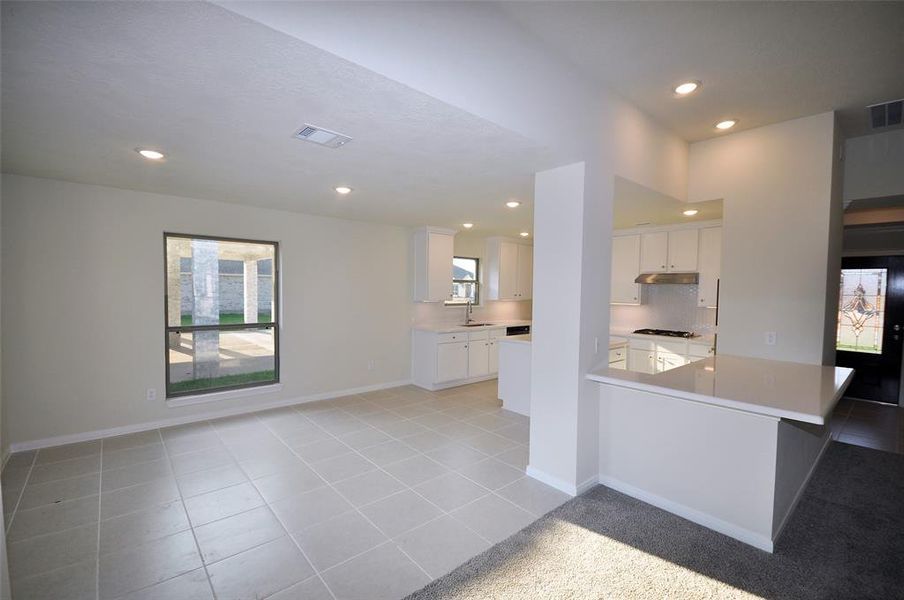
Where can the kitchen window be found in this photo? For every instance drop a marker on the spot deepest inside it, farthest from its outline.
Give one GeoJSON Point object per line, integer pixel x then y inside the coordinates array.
{"type": "Point", "coordinates": [221, 305]}
{"type": "Point", "coordinates": [465, 281]}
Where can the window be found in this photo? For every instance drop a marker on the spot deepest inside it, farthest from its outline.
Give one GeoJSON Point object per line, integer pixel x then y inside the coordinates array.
{"type": "Point", "coordinates": [861, 310]}
{"type": "Point", "coordinates": [465, 281]}
{"type": "Point", "coordinates": [221, 309]}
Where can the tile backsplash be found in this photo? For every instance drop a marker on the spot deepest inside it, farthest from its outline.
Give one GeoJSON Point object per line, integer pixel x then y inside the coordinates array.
{"type": "Point", "coordinates": [437, 313]}
{"type": "Point", "coordinates": [665, 307]}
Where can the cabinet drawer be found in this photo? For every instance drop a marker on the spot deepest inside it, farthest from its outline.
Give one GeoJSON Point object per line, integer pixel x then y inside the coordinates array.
{"type": "Point", "coordinates": [619, 364]}
{"type": "Point", "coordinates": [618, 354]}
{"type": "Point", "coordinates": [445, 338]}
{"type": "Point", "coordinates": [479, 335]}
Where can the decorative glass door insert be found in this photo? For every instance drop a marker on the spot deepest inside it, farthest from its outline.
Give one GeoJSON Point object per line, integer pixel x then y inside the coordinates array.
{"type": "Point", "coordinates": [861, 314]}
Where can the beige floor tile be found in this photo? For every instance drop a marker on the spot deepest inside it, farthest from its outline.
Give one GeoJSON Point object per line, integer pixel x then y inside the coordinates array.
{"type": "Point", "coordinates": [383, 573]}
{"type": "Point", "coordinates": [67, 452]}
{"type": "Point", "coordinates": [75, 582]}
{"type": "Point", "coordinates": [226, 537]}
{"type": "Point", "coordinates": [188, 586]}
{"type": "Point", "coordinates": [66, 469]}
{"type": "Point", "coordinates": [132, 440]}
{"type": "Point", "coordinates": [368, 487]}
{"type": "Point", "coordinates": [450, 491]}
{"type": "Point", "coordinates": [415, 470]}
{"type": "Point", "coordinates": [116, 459]}
{"type": "Point", "coordinates": [219, 504]}
{"type": "Point", "coordinates": [342, 467]}
{"type": "Point", "coordinates": [148, 564]}
{"type": "Point", "coordinates": [133, 529]}
{"type": "Point", "coordinates": [288, 483]}
{"type": "Point", "coordinates": [52, 551]}
{"type": "Point", "coordinates": [400, 512]}
{"type": "Point", "coordinates": [533, 496]}
{"type": "Point", "coordinates": [493, 518]}
{"type": "Point", "coordinates": [53, 517]}
{"type": "Point", "coordinates": [340, 538]}
{"type": "Point", "coordinates": [441, 545]}
{"type": "Point", "coordinates": [135, 474]}
{"type": "Point", "coordinates": [310, 589]}
{"type": "Point", "coordinates": [210, 480]}
{"type": "Point", "coordinates": [138, 497]}
{"type": "Point", "coordinates": [310, 508]}
{"type": "Point", "coordinates": [53, 492]}
{"type": "Point", "coordinates": [491, 473]}
{"type": "Point", "coordinates": [259, 572]}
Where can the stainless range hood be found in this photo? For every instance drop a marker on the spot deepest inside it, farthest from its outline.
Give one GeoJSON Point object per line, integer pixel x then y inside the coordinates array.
{"type": "Point", "coordinates": [668, 278]}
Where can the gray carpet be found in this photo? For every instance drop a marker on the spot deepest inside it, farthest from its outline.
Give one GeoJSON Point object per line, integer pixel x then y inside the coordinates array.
{"type": "Point", "coordinates": [845, 540]}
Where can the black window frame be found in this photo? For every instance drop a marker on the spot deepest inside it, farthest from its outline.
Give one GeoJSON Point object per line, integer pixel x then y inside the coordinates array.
{"type": "Point", "coordinates": [475, 281]}
{"type": "Point", "coordinates": [272, 324]}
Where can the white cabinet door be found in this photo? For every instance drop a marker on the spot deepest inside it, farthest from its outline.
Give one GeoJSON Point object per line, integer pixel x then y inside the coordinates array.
{"type": "Point", "coordinates": [625, 269]}
{"type": "Point", "coordinates": [525, 271]}
{"type": "Point", "coordinates": [669, 360]}
{"type": "Point", "coordinates": [508, 270]}
{"type": "Point", "coordinates": [683, 244]}
{"type": "Point", "coordinates": [451, 361]}
{"type": "Point", "coordinates": [643, 361]}
{"type": "Point", "coordinates": [494, 357]}
{"type": "Point", "coordinates": [710, 265]}
{"type": "Point", "coordinates": [439, 265]}
{"type": "Point", "coordinates": [478, 358]}
{"type": "Point", "coordinates": [654, 252]}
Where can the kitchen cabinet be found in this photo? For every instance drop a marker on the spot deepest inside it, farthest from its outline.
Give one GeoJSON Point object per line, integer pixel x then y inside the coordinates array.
{"type": "Point", "coordinates": [625, 268]}
{"type": "Point", "coordinates": [454, 358]}
{"type": "Point", "coordinates": [642, 361]}
{"type": "Point", "coordinates": [669, 251]}
{"type": "Point", "coordinates": [710, 266]}
{"type": "Point", "coordinates": [618, 356]}
{"type": "Point", "coordinates": [433, 251]}
{"type": "Point", "coordinates": [669, 360]}
{"type": "Point", "coordinates": [510, 269]}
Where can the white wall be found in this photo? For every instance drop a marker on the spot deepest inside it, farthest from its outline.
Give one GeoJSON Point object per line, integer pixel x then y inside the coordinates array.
{"type": "Point", "coordinates": [781, 231]}
{"type": "Point", "coordinates": [83, 303]}
{"type": "Point", "coordinates": [874, 166]}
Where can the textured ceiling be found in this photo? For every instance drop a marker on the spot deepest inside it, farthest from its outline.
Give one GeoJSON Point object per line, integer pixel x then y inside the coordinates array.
{"type": "Point", "coordinates": [635, 205]}
{"type": "Point", "coordinates": [760, 62]}
{"type": "Point", "coordinates": [84, 84]}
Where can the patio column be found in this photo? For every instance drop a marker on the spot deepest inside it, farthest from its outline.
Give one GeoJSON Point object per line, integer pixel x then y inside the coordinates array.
{"type": "Point", "coordinates": [251, 309]}
{"type": "Point", "coordinates": [174, 292]}
{"type": "Point", "coordinates": [205, 267]}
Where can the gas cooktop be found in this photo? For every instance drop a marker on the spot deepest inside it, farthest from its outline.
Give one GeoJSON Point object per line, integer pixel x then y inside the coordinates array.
{"type": "Point", "coordinates": [666, 332]}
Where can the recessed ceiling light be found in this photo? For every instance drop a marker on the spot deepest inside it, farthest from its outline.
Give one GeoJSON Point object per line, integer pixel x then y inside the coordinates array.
{"type": "Point", "coordinates": [524, 234]}
{"type": "Point", "coordinates": [726, 124]}
{"type": "Point", "coordinates": [150, 154]}
{"type": "Point", "coordinates": [343, 189]}
{"type": "Point", "coordinates": [690, 212]}
{"type": "Point", "coordinates": [686, 88]}
{"type": "Point", "coordinates": [467, 225]}
{"type": "Point", "coordinates": [513, 204]}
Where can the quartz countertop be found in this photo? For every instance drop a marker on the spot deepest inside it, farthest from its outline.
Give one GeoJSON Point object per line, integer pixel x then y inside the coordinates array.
{"type": "Point", "coordinates": [456, 327]}
{"type": "Point", "coordinates": [796, 391]}
{"type": "Point", "coordinates": [629, 334]}
{"type": "Point", "coordinates": [516, 339]}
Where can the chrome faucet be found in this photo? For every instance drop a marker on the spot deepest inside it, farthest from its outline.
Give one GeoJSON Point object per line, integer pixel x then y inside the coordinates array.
{"type": "Point", "coordinates": [468, 310]}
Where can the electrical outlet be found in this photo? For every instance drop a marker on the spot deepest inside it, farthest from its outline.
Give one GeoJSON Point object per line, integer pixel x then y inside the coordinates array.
{"type": "Point", "coordinates": [371, 365]}
{"type": "Point", "coordinates": [152, 395]}
{"type": "Point", "coordinates": [596, 345]}
{"type": "Point", "coordinates": [770, 338]}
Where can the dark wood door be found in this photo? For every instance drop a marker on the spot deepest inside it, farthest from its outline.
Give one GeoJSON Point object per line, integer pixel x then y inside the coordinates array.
{"type": "Point", "coordinates": [871, 326]}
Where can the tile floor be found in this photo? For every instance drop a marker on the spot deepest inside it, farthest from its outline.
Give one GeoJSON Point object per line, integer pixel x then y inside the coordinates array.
{"type": "Point", "coordinates": [369, 496]}
{"type": "Point", "coordinates": [869, 424]}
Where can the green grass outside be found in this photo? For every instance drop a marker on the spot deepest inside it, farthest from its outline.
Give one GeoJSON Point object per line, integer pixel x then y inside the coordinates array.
{"type": "Point", "coordinates": [232, 318]}
{"type": "Point", "coordinates": [223, 381]}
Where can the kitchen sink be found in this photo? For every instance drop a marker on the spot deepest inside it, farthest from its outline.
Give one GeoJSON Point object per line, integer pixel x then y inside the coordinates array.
{"type": "Point", "coordinates": [478, 325]}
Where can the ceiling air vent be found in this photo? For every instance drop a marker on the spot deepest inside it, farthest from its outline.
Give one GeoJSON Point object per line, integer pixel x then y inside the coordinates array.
{"type": "Point", "coordinates": [887, 114]}
{"type": "Point", "coordinates": [321, 136]}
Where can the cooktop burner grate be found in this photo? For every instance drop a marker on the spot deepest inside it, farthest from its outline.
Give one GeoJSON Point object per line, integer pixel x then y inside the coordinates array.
{"type": "Point", "coordinates": [665, 332]}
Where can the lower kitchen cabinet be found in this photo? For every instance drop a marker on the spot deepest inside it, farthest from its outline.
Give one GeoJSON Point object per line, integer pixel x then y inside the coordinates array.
{"type": "Point", "coordinates": [647, 356]}
{"type": "Point", "coordinates": [452, 361]}
{"type": "Point", "coordinates": [441, 360]}
{"type": "Point", "coordinates": [642, 361]}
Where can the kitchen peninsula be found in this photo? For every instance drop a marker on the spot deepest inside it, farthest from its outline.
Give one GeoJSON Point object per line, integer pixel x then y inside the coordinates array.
{"type": "Point", "coordinates": [727, 442]}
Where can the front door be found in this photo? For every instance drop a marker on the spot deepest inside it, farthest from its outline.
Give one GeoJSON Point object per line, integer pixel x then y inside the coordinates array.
{"type": "Point", "coordinates": [870, 322]}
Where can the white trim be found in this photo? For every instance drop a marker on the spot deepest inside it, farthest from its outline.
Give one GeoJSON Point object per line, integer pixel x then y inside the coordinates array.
{"type": "Point", "coordinates": [800, 492]}
{"type": "Point", "coordinates": [691, 514]}
{"type": "Point", "coordinates": [670, 227]}
{"type": "Point", "coordinates": [178, 401]}
{"type": "Point", "coordinates": [458, 382]}
{"type": "Point", "coordinates": [168, 422]}
{"type": "Point", "coordinates": [560, 484]}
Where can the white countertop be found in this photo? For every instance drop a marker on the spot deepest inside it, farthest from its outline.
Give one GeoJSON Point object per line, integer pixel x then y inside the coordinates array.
{"type": "Point", "coordinates": [516, 339]}
{"type": "Point", "coordinates": [629, 334]}
{"type": "Point", "coordinates": [454, 328]}
{"type": "Point", "coordinates": [795, 391]}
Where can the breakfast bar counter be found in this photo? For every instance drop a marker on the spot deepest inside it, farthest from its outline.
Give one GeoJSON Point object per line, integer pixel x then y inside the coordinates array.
{"type": "Point", "coordinates": [728, 442]}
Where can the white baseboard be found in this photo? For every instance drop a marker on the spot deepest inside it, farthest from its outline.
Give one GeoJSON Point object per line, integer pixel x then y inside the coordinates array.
{"type": "Point", "coordinates": [213, 414]}
{"type": "Point", "coordinates": [724, 527]}
{"type": "Point", "coordinates": [560, 484]}
{"type": "Point", "coordinates": [800, 490]}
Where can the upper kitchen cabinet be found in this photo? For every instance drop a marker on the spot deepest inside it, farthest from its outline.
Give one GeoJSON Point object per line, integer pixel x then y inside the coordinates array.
{"type": "Point", "coordinates": [625, 268]}
{"type": "Point", "coordinates": [669, 251]}
{"type": "Point", "coordinates": [433, 250]}
{"type": "Point", "coordinates": [710, 266]}
{"type": "Point", "coordinates": [510, 269]}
